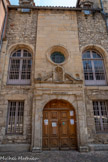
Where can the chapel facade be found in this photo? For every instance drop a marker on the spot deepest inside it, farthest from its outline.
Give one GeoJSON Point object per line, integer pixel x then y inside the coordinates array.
{"type": "Point", "coordinates": [54, 77]}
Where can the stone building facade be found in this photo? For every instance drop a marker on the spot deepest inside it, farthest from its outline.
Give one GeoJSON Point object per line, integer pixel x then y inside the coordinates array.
{"type": "Point", "coordinates": [53, 78]}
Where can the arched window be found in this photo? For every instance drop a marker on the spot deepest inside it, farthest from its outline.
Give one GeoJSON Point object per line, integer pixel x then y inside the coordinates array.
{"type": "Point", "coordinates": [94, 71]}
{"type": "Point", "coordinates": [20, 67]}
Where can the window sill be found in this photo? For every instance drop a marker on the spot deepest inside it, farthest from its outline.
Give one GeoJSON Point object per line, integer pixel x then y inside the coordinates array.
{"type": "Point", "coordinates": [14, 134]}
{"type": "Point", "coordinates": [102, 87]}
{"type": "Point", "coordinates": [102, 133]}
{"type": "Point", "coordinates": [18, 84]}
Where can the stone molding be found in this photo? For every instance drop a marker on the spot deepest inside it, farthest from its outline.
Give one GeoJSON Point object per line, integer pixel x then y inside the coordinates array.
{"type": "Point", "coordinates": [96, 47]}
{"type": "Point", "coordinates": [20, 45]}
{"type": "Point", "coordinates": [59, 48]}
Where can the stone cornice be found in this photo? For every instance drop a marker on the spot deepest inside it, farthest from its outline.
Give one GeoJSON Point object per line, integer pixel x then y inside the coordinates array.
{"type": "Point", "coordinates": [53, 8]}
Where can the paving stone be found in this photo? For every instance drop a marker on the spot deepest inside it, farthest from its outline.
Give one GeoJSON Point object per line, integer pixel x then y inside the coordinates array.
{"type": "Point", "coordinates": [57, 156]}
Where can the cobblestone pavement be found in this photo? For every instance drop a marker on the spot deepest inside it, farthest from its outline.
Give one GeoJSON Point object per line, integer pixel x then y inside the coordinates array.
{"type": "Point", "coordinates": [55, 156]}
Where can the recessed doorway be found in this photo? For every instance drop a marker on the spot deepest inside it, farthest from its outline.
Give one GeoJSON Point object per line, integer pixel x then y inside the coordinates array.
{"type": "Point", "coordinates": [59, 126]}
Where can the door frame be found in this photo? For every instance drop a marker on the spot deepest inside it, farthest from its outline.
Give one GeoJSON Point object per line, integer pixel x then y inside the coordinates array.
{"type": "Point", "coordinates": [69, 108]}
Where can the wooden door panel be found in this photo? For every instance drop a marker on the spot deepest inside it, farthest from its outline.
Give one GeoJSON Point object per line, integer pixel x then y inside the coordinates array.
{"type": "Point", "coordinates": [45, 124]}
{"type": "Point", "coordinates": [45, 143]}
{"type": "Point", "coordinates": [72, 127]}
{"type": "Point", "coordinates": [73, 143]}
{"type": "Point", "coordinates": [64, 134]}
{"type": "Point", "coordinates": [45, 131]}
{"type": "Point", "coordinates": [72, 130]}
{"type": "Point", "coordinates": [63, 114]}
{"type": "Point", "coordinates": [63, 124]}
{"type": "Point", "coordinates": [63, 128]}
{"type": "Point", "coordinates": [45, 115]}
{"type": "Point", "coordinates": [53, 125]}
{"type": "Point", "coordinates": [54, 115]}
{"type": "Point", "coordinates": [54, 128]}
{"type": "Point", "coordinates": [59, 128]}
{"type": "Point", "coordinates": [54, 142]}
{"type": "Point", "coordinates": [64, 142]}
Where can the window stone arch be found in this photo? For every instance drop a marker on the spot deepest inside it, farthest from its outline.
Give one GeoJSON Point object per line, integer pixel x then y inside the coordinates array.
{"type": "Point", "coordinates": [16, 46]}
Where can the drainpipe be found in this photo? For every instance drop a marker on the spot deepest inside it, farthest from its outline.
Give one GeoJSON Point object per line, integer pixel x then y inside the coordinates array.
{"type": "Point", "coordinates": [1, 40]}
{"type": "Point", "coordinates": [105, 14]}
{"type": "Point", "coordinates": [102, 6]}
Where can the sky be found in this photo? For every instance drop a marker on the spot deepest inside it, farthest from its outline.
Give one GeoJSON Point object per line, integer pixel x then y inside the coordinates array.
{"type": "Point", "coordinates": [68, 3]}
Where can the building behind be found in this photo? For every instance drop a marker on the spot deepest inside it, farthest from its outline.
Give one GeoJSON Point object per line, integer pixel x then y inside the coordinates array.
{"type": "Point", "coordinates": [3, 19]}
{"type": "Point", "coordinates": [53, 77]}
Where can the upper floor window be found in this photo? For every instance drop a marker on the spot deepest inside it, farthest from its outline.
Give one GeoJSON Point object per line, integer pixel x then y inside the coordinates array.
{"type": "Point", "coordinates": [20, 67]}
{"type": "Point", "coordinates": [86, 4]}
{"type": "Point", "coordinates": [101, 115]}
{"type": "Point", "coordinates": [94, 71]}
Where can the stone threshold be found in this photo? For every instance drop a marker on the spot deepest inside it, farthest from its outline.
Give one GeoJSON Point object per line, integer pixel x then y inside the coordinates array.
{"type": "Point", "coordinates": [14, 147]}
{"type": "Point", "coordinates": [98, 147]}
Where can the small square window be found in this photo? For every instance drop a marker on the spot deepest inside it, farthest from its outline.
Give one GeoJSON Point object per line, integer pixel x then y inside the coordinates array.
{"type": "Point", "coordinates": [25, 10]}
{"type": "Point", "coordinates": [87, 12]}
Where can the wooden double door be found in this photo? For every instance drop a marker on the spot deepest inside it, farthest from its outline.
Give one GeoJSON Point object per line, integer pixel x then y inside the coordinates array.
{"type": "Point", "coordinates": [59, 128]}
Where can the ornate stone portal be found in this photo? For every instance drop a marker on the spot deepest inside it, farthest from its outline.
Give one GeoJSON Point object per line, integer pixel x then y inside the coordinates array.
{"type": "Point", "coordinates": [58, 85]}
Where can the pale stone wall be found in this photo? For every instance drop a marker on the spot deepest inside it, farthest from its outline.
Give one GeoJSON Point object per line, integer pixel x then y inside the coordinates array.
{"type": "Point", "coordinates": [93, 35]}
{"type": "Point", "coordinates": [57, 28]}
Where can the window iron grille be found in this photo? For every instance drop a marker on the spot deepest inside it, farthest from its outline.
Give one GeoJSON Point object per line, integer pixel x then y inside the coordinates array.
{"type": "Point", "coordinates": [15, 117]}
{"type": "Point", "coordinates": [20, 67]}
{"type": "Point", "coordinates": [101, 115]}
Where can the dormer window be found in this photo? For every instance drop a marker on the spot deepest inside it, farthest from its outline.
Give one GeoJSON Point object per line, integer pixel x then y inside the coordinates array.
{"type": "Point", "coordinates": [27, 2]}
{"type": "Point", "coordinates": [86, 4]}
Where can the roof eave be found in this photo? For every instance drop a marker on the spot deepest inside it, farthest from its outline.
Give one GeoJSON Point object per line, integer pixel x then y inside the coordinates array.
{"type": "Point", "coordinates": [50, 8]}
